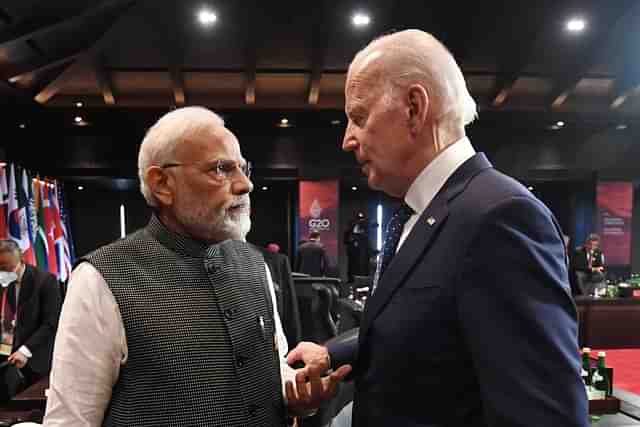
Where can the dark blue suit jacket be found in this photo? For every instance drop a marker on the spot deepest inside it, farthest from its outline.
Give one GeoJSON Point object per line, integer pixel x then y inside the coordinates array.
{"type": "Point", "coordinates": [472, 324]}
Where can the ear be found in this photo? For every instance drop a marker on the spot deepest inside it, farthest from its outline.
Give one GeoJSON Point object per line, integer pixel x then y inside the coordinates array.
{"type": "Point", "coordinates": [418, 107]}
{"type": "Point", "coordinates": [161, 184]}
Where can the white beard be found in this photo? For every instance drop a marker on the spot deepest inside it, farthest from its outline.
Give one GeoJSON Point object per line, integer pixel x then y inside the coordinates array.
{"type": "Point", "coordinates": [216, 226]}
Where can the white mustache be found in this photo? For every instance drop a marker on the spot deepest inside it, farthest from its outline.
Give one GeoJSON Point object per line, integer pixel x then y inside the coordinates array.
{"type": "Point", "coordinates": [243, 202]}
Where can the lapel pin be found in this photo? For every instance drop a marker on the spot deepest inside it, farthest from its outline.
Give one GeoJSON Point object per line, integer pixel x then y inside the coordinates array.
{"type": "Point", "coordinates": [431, 220]}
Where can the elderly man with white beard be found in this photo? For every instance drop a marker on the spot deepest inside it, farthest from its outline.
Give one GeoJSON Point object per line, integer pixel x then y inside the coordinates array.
{"type": "Point", "coordinates": [175, 324]}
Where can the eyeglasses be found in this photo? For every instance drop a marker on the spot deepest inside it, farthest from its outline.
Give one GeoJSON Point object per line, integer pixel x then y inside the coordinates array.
{"type": "Point", "coordinates": [221, 169]}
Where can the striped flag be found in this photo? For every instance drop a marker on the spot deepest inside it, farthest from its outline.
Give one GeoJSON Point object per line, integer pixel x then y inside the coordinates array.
{"type": "Point", "coordinates": [4, 204]}
{"type": "Point", "coordinates": [42, 249]}
{"type": "Point", "coordinates": [66, 223]}
{"type": "Point", "coordinates": [62, 249]}
{"type": "Point", "coordinates": [18, 228]}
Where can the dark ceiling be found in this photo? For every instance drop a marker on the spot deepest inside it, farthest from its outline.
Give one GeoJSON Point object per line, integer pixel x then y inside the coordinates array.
{"type": "Point", "coordinates": [128, 61]}
{"type": "Point", "coordinates": [516, 55]}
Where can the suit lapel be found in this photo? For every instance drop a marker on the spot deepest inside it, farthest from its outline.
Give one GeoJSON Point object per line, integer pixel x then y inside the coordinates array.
{"type": "Point", "coordinates": [26, 290]}
{"type": "Point", "coordinates": [420, 238]}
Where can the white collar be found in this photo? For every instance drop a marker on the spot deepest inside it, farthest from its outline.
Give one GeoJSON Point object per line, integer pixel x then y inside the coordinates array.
{"type": "Point", "coordinates": [433, 177]}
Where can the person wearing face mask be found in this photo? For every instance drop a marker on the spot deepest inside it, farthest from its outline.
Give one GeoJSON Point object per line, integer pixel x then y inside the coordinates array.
{"type": "Point", "coordinates": [175, 324]}
{"type": "Point", "coordinates": [29, 310]}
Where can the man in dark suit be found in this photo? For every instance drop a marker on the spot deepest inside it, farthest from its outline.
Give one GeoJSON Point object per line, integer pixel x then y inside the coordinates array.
{"type": "Point", "coordinates": [471, 321]}
{"type": "Point", "coordinates": [28, 328]}
{"type": "Point", "coordinates": [312, 257]}
{"type": "Point", "coordinates": [588, 265]}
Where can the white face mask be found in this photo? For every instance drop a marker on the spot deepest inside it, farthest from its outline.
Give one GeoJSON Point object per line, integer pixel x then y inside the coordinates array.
{"type": "Point", "coordinates": [7, 277]}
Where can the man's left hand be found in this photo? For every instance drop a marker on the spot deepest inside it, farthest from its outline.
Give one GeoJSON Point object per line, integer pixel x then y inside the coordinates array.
{"type": "Point", "coordinates": [18, 359]}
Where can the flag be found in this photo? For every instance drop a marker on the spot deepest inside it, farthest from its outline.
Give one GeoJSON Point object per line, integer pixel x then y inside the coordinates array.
{"type": "Point", "coordinates": [23, 204]}
{"type": "Point", "coordinates": [50, 230]}
{"type": "Point", "coordinates": [42, 250]}
{"type": "Point", "coordinates": [66, 224]}
{"type": "Point", "coordinates": [32, 214]}
{"type": "Point", "coordinates": [62, 249]}
{"type": "Point", "coordinates": [18, 229]}
{"type": "Point", "coordinates": [4, 201]}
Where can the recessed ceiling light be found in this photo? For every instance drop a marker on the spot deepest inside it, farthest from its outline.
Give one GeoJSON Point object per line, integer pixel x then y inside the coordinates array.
{"type": "Point", "coordinates": [335, 122]}
{"type": "Point", "coordinates": [80, 187]}
{"type": "Point", "coordinates": [354, 188]}
{"type": "Point", "coordinates": [576, 25]}
{"type": "Point", "coordinates": [79, 104]}
{"type": "Point", "coordinates": [361, 19]}
{"type": "Point", "coordinates": [22, 126]}
{"type": "Point", "coordinates": [560, 123]}
{"type": "Point", "coordinates": [77, 119]}
{"type": "Point", "coordinates": [621, 126]}
{"type": "Point", "coordinates": [265, 188]}
{"type": "Point", "coordinates": [207, 17]}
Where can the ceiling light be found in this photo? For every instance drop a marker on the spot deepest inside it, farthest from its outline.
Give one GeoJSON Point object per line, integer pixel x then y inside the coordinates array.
{"type": "Point", "coordinates": [560, 123]}
{"type": "Point", "coordinates": [576, 25]}
{"type": "Point", "coordinates": [79, 104]}
{"type": "Point", "coordinates": [80, 187]}
{"type": "Point", "coordinates": [78, 119]}
{"type": "Point", "coordinates": [265, 188]}
{"type": "Point", "coordinates": [530, 188]}
{"type": "Point", "coordinates": [354, 188]}
{"type": "Point", "coordinates": [284, 121]}
{"type": "Point", "coordinates": [621, 127]}
{"type": "Point", "coordinates": [207, 17]}
{"type": "Point", "coordinates": [361, 20]}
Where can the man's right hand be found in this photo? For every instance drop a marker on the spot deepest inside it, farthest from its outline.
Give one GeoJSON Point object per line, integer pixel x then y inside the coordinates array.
{"type": "Point", "coordinates": [311, 388]}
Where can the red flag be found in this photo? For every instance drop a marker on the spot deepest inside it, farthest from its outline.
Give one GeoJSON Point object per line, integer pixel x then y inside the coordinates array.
{"type": "Point", "coordinates": [50, 230]}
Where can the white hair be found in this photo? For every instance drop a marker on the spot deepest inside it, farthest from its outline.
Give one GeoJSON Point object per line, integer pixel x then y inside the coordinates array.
{"type": "Point", "coordinates": [158, 145]}
{"type": "Point", "coordinates": [413, 56]}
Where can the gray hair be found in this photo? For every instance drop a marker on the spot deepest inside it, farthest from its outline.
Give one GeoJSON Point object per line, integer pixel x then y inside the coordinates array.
{"type": "Point", "coordinates": [10, 246]}
{"type": "Point", "coordinates": [158, 145]}
{"type": "Point", "coordinates": [413, 56]}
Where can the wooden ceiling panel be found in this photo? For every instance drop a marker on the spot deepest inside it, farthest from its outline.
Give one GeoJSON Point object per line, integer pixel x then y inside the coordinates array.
{"type": "Point", "coordinates": [208, 82]}
{"type": "Point", "coordinates": [140, 82]}
{"type": "Point", "coordinates": [594, 87]}
{"type": "Point", "coordinates": [528, 86]}
{"type": "Point", "coordinates": [83, 83]}
{"type": "Point", "coordinates": [270, 84]}
{"type": "Point", "coordinates": [332, 83]}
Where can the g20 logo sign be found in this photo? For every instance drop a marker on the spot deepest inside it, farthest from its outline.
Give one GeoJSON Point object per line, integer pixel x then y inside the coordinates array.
{"type": "Point", "coordinates": [319, 224]}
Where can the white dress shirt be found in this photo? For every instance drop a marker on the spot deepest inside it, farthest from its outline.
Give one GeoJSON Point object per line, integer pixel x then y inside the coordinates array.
{"type": "Point", "coordinates": [91, 347]}
{"type": "Point", "coordinates": [432, 178]}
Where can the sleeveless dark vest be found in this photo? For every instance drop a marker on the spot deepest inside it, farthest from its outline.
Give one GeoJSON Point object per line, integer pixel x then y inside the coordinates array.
{"type": "Point", "coordinates": [200, 332]}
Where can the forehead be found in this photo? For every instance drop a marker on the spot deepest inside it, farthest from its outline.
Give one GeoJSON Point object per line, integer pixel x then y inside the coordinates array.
{"type": "Point", "coordinates": [209, 143]}
{"type": "Point", "coordinates": [365, 78]}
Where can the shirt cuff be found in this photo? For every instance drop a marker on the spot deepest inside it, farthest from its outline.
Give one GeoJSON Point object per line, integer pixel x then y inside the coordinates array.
{"type": "Point", "coordinates": [25, 350]}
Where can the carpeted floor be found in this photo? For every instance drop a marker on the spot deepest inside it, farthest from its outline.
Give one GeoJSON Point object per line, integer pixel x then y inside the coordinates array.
{"type": "Point", "coordinates": [626, 368]}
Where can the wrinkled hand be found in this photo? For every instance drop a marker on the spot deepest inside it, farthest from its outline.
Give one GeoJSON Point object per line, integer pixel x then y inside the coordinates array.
{"type": "Point", "coordinates": [310, 388]}
{"type": "Point", "coordinates": [18, 359]}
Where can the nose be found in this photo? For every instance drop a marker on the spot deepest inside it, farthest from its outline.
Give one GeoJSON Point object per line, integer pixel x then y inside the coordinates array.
{"type": "Point", "coordinates": [349, 142]}
{"type": "Point", "coordinates": [241, 185]}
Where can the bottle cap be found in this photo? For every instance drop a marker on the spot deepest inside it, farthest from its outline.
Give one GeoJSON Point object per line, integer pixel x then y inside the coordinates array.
{"type": "Point", "coordinates": [601, 354]}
